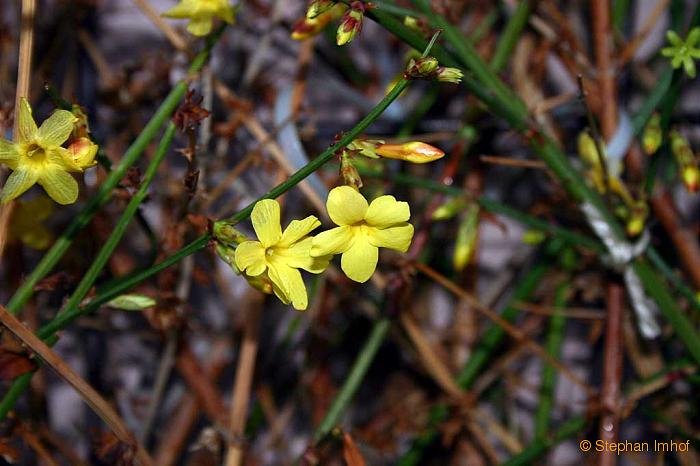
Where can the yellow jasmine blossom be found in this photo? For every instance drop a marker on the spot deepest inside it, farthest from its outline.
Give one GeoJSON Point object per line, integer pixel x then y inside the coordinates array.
{"type": "Point", "coordinates": [280, 254]}
{"type": "Point", "coordinates": [25, 222]}
{"type": "Point", "coordinates": [37, 157]}
{"type": "Point", "coordinates": [201, 14]}
{"type": "Point", "coordinates": [362, 230]}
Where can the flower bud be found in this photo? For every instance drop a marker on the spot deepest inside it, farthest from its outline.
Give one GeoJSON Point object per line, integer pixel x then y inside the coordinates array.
{"type": "Point", "coordinates": [450, 208]}
{"type": "Point", "coordinates": [350, 175]}
{"type": "Point", "coordinates": [424, 67]}
{"type": "Point", "coordinates": [414, 24]}
{"type": "Point", "coordinates": [637, 218]}
{"type": "Point", "coordinates": [466, 238]}
{"type": "Point", "coordinates": [318, 7]}
{"type": "Point", "coordinates": [82, 152]}
{"type": "Point", "coordinates": [414, 152]}
{"type": "Point", "coordinates": [132, 302]}
{"type": "Point", "coordinates": [226, 233]}
{"type": "Point", "coordinates": [351, 24]}
{"type": "Point", "coordinates": [306, 28]}
{"type": "Point", "coordinates": [652, 136]}
{"type": "Point", "coordinates": [588, 150]}
{"type": "Point", "coordinates": [533, 236]}
{"type": "Point", "coordinates": [687, 165]}
{"type": "Point", "coordinates": [449, 75]}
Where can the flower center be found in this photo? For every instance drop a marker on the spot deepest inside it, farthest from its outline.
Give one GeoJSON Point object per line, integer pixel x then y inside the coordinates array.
{"type": "Point", "coordinates": [35, 152]}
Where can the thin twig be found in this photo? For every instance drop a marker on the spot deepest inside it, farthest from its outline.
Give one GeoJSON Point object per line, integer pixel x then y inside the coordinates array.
{"type": "Point", "coordinates": [93, 399]}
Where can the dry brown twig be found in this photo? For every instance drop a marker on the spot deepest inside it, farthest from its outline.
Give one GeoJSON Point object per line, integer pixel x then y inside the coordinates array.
{"type": "Point", "coordinates": [93, 399]}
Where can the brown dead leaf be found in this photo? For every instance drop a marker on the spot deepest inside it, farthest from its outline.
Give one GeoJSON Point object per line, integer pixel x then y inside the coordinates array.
{"type": "Point", "coordinates": [351, 453]}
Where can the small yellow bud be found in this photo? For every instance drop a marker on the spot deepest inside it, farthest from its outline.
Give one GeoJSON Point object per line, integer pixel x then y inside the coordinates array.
{"type": "Point", "coordinates": [318, 7]}
{"type": "Point", "coordinates": [450, 208]}
{"type": "Point", "coordinates": [687, 165]}
{"type": "Point", "coordinates": [414, 152]}
{"type": "Point", "coordinates": [83, 152]}
{"type": "Point", "coordinates": [652, 137]}
{"type": "Point", "coordinates": [533, 237]}
{"type": "Point", "coordinates": [588, 151]}
{"type": "Point", "coordinates": [306, 28]}
{"type": "Point", "coordinates": [449, 75]}
{"type": "Point", "coordinates": [351, 24]}
{"type": "Point", "coordinates": [350, 175]}
{"type": "Point", "coordinates": [690, 176]}
{"type": "Point", "coordinates": [466, 238]}
{"type": "Point", "coordinates": [413, 24]}
{"type": "Point", "coordinates": [423, 67]}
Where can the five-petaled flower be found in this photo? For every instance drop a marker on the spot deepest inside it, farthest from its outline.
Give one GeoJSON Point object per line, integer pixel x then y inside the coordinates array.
{"type": "Point", "coordinates": [280, 254]}
{"type": "Point", "coordinates": [362, 230]}
{"type": "Point", "coordinates": [201, 14]}
{"type": "Point", "coordinates": [37, 156]}
{"type": "Point", "coordinates": [683, 52]}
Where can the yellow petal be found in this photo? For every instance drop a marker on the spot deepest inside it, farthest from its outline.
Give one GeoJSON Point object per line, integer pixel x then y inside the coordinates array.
{"type": "Point", "coordinates": [333, 241]}
{"type": "Point", "coordinates": [289, 280]}
{"type": "Point", "coordinates": [226, 12]}
{"type": "Point", "coordinates": [8, 154]}
{"type": "Point", "coordinates": [26, 125]}
{"type": "Point", "coordinates": [360, 261]}
{"type": "Point", "coordinates": [56, 129]}
{"type": "Point", "coordinates": [18, 182]}
{"type": "Point", "coordinates": [266, 222]}
{"type": "Point", "coordinates": [397, 237]}
{"type": "Point", "coordinates": [346, 206]}
{"type": "Point", "coordinates": [58, 184]}
{"type": "Point", "coordinates": [299, 257]}
{"type": "Point", "coordinates": [200, 25]}
{"type": "Point", "coordinates": [278, 285]}
{"type": "Point", "coordinates": [250, 258]}
{"type": "Point", "coordinates": [297, 229]}
{"type": "Point", "coordinates": [184, 9]}
{"type": "Point", "coordinates": [385, 211]}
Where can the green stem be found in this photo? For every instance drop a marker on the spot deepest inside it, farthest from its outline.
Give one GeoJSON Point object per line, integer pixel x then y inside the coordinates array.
{"type": "Point", "coordinates": [510, 35]}
{"type": "Point", "coordinates": [354, 379]}
{"type": "Point", "coordinates": [555, 337]}
{"type": "Point", "coordinates": [59, 248]}
{"type": "Point", "coordinates": [533, 451]}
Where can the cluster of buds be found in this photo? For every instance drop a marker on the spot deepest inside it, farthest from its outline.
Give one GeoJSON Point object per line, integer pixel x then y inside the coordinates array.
{"type": "Point", "coordinates": [321, 12]}
{"type": "Point", "coordinates": [633, 212]}
{"type": "Point", "coordinates": [685, 159]}
{"type": "Point", "coordinates": [429, 68]}
{"type": "Point", "coordinates": [652, 136]}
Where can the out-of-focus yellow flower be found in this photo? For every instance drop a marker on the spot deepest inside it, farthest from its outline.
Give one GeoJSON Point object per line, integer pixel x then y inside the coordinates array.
{"type": "Point", "coordinates": [25, 223]}
{"type": "Point", "coordinates": [37, 157]}
{"type": "Point", "coordinates": [201, 14]}
{"type": "Point", "coordinates": [652, 136]}
{"type": "Point", "coordinates": [362, 230]}
{"type": "Point", "coordinates": [308, 27]}
{"type": "Point", "coordinates": [280, 254]}
{"type": "Point", "coordinates": [687, 165]}
{"type": "Point", "coordinates": [466, 238]}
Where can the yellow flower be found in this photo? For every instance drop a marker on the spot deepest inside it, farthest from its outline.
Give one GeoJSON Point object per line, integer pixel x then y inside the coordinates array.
{"type": "Point", "coordinates": [25, 222]}
{"type": "Point", "coordinates": [280, 254]}
{"type": "Point", "coordinates": [37, 157]}
{"type": "Point", "coordinates": [362, 230]}
{"type": "Point", "coordinates": [201, 14]}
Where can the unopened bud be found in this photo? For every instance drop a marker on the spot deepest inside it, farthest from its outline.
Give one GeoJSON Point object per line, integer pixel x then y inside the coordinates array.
{"type": "Point", "coordinates": [588, 150]}
{"type": "Point", "coordinates": [81, 128]}
{"type": "Point", "coordinates": [351, 24]}
{"type": "Point", "coordinates": [413, 24]}
{"type": "Point", "coordinates": [132, 302]}
{"type": "Point", "coordinates": [226, 233]}
{"type": "Point", "coordinates": [466, 238]}
{"type": "Point", "coordinates": [687, 165]}
{"type": "Point", "coordinates": [227, 254]}
{"type": "Point", "coordinates": [449, 75]}
{"type": "Point", "coordinates": [691, 176]}
{"type": "Point", "coordinates": [305, 27]}
{"type": "Point", "coordinates": [82, 152]}
{"type": "Point", "coordinates": [424, 67]}
{"type": "Point", "coordinates": [652, 136]}
{"type": "Point", "coordinates": [318, 7]}
{"type": "Point", "coordinates": [349, 173]}
{"type": "Point", "coordinates": [534, 237]}
{"type": "Point", "coordinates": [450, 208]}
{"type": "Point", "coordinates": [414, 152]}
{"type": "Point", "coordinates": [637, 218]}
